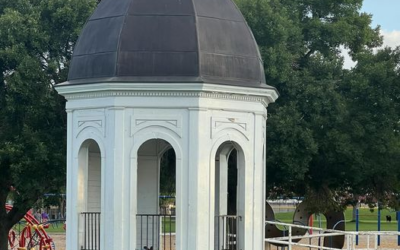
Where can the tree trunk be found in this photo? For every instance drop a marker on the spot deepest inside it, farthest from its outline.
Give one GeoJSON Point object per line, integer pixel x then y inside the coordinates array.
{"type": "Point", "coordinates": [3, 218]}
{"type": "Point", "coordinates": [7, 221]}
{"type": "Point", "coordinates": [3, 236]}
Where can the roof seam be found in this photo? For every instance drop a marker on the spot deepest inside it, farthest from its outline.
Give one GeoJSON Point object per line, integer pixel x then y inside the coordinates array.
{"type": "Point", "coordinates": [161, 51]}
{"type": "Point", "coordinates": [262, 77]}
{"type": "Point", "coordinates": [197, 40]}
{"type": "Point", "coordinates": [231, 78]}
{"type": "Point", "coordinates": [150, 51]}
{"type": "Point", "coordinates": [105, 17]}
{"type": "Point", "coordinates": [119, 39]}
{"type": "Point", "coordinates": [221, 19]}
{"type": "Point", "coordinates": [95, 53]}
{"type": "Point", "coordinates": [223, 54]}
{"type": "Point", "coordinates": [151, 15]}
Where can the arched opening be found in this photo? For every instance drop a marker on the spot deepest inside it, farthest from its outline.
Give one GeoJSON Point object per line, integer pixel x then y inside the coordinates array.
{"type": "Point", "coordinates": [89, 195]}
{"type": "Point", "coordinates": [156, 189]}
{"type": "Point", "coordinates": [229, 196]}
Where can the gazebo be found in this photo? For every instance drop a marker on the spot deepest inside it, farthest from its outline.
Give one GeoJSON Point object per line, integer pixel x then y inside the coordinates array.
{"type": "Point", "coordinates": [148, 76]}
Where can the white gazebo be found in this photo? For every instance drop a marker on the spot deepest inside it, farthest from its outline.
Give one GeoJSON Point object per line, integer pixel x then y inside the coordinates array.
{"type": "Point", "coordinates": [157, 75]}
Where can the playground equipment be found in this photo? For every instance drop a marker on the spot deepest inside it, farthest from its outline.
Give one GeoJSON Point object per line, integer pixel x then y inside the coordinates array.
{"type": "Point", "coordinates": [379, 217]}
{"type": "Point", "coordinates": [29, 234]}
{"type": "Point", "coordinates": [335, 220]}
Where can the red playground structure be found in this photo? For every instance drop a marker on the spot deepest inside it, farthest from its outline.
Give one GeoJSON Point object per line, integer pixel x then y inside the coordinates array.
{"type": "Point", "coordinates": [29, 234]}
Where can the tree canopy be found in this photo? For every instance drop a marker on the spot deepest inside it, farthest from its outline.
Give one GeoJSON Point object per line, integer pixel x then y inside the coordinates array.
{"type": "Point", "coordinates": [372, 92]}
{"type": "Point", "coordinates": [333, 132]}
{"type": "Point", "coordinates": [324, 141]}
{"type": "Point", "coordinates": [36, 42]}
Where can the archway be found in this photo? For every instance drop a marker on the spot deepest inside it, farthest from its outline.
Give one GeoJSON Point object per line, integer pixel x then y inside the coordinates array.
{"type": "Point", "coordinates": [156, 189]}
{"type": "Point", "coordinates": [229, 196]}
{"type": "Point", "coordinates": [89, 194]}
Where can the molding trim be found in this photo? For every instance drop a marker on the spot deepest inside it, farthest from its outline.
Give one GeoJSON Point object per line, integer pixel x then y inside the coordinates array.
{"type": "Point", "coordinates": [100, 90]}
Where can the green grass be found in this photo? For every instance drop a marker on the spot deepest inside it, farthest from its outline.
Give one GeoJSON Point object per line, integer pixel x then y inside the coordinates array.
{"type": "Point", "coordinates": [368, 220]}
{"type": "Point", "coordinates": [168, 224]}
{"type": "Point", "coordinates": [55, 227]}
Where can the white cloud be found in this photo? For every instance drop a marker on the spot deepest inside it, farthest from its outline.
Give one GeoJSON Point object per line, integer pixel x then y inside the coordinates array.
{"type": "Point", "coordinates": [390, 39]}
{"type": "Point", "coordinates": [348, 63]}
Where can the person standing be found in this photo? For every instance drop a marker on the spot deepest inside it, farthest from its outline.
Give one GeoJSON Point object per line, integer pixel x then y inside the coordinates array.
{"type": "Point", "coordinates": [45, 217]}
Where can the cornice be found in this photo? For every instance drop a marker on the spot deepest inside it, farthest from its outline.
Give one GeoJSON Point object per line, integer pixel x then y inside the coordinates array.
{"type": "Point", "coordinates": [213, 91]}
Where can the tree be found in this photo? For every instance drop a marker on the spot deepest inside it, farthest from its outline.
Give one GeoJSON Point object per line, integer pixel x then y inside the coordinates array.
{"type": "Point", "coordinates": [36, 42]}
{"type": "Point", "coordinates": [372, 91]}
{"type": "Point", "coordinates": [309, 150]}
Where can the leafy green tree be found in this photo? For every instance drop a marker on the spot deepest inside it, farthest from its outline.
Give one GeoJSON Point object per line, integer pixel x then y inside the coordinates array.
{"type": "Point", "coordinates": [168, 173]}
{"type": "Point", "coordinates": [36, 42]}
{"type": "Point", "coordinates": [372, 91]}
{"type": "Point", "coordinates": [309, 149]}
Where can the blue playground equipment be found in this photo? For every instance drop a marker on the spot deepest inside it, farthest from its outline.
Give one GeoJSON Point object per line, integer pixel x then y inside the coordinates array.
{"type": "Point", "coordinates": [379, 225]}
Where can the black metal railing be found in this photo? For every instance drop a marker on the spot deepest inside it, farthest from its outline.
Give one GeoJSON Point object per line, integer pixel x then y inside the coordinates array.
{"type": "Point", "coordinates": [227, 230]}
{"type": "Point", "coordinates": [91, 231]}
{"type": "Point", "coordinates": [155, 231]}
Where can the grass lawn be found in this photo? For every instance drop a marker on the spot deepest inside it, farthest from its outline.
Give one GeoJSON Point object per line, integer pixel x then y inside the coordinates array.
{"type": "Point", "coordinates": [168, 225]}
{"type": "Point", "coordinates": [368, 220]}
{"type": "Point", "coordinates": [54, 227]}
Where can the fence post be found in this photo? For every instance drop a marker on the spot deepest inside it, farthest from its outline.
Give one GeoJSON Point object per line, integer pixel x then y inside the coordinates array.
{"type": "Point", "coordinates": [357, 224]}
{"type": "Point", "coordinates": [398, 226]}
{"type": "Point", "coordinates": [379, 224]}
{"type": "Point", "coordinates": [290, 237]}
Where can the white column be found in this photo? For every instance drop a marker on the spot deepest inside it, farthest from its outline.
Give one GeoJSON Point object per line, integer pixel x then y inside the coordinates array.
{"type": "Point", "coordinates": [183, 189]}
{"type": "Point", "coordinates": [72, 189]}
{"type": "Point", "coordinates": [115, 214]}
{"type": "Point", "coordinates": [198, 223]}
{"type": "Point", "coordinates": [258, 183]}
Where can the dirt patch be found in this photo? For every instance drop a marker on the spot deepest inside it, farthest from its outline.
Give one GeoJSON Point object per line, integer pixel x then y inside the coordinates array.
{"type": "Point", "coordinates": [387, 242]}
{"type": "Point", "coordinates": [59, 241]}
{"type": "Point", "coordinates": [167, 242]}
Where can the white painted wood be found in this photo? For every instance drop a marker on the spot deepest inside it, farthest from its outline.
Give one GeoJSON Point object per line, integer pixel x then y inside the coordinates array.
{"type": "Point", "coordinates": [94, 183]}
{"type": "Point", "coordinates": [195, 120]}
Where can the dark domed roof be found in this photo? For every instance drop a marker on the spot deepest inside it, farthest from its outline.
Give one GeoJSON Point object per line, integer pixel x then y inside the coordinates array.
{"type": "Point", "coordinates": [184, 41]}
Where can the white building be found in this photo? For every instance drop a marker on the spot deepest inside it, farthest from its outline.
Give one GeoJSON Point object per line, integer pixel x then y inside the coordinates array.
{"type": "Point", "coordinates": [147, 76]}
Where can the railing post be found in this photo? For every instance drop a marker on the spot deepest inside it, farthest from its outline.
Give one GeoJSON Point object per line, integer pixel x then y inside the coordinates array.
{"type": "Point", "coordinates": [290, 238]}
{"type": "Point", "coordinates": [357, 223]}
{"type": "Point", "coordinates": [90, 238]}
{"type": "Point", "coordinates": [398, 226]}
{"type": "Point", "coordinates": [379, 224]}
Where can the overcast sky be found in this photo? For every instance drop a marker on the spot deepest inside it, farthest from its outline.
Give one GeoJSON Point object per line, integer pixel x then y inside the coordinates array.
{"type": "Point", "coordinates": [386, 13]}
